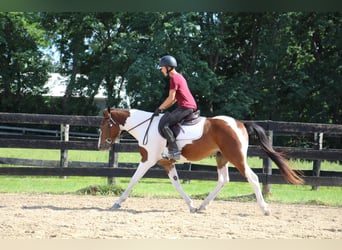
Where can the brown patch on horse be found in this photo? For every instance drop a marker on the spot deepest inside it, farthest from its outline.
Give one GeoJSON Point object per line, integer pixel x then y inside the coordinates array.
{"type": "Point", "coordinates": [218, 136]}
{"type": "Point", "coordinates": [167, 164]}
{"type": "Point", "coordinates": [120, 116]}
{"type": "Point", "coordinates": [220, 160]}
{"type": "Point", "coordinates": [202, 147]}
{"type": "Point", "coordinates": [143, 153]}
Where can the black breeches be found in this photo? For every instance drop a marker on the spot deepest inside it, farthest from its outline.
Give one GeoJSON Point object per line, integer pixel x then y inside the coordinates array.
{"type": "Point", "coordinates": [177, 115]}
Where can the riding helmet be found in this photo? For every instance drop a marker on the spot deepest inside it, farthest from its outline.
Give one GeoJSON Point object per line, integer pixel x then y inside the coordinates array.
{"type": "Point", "coordinates": [168, 61]}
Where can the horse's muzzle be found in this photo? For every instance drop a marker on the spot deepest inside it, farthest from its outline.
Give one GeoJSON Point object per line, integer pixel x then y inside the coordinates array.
{"type": "Point", "coordinates": [104, 146]}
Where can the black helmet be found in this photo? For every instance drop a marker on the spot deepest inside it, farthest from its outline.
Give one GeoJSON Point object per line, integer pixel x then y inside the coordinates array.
{"type": "Point", "coordinates": [167, 61]}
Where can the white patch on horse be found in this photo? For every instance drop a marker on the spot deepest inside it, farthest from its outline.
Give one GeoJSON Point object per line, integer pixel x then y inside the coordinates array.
{"type": "Point", "coordinates": [231, 122]}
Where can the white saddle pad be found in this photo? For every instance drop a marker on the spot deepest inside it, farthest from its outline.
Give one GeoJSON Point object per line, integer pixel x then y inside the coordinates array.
{"type": "Point", "coordinates": [191, 132]}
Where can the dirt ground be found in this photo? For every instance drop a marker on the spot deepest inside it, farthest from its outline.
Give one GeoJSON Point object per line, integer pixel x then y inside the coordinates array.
{"type": "Point", "coordinates": [24, 216]}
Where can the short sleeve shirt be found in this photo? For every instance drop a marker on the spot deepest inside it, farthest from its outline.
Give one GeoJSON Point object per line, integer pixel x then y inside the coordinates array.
{"type": "Point", "coordinates": [183, 95]}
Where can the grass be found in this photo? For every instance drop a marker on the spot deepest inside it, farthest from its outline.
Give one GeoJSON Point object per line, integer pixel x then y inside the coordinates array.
{"type": "Point", "coordinates": [158, 187]}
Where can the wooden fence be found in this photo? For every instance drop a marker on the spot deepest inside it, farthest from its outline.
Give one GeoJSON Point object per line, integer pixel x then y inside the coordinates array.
{"type": "Point", "coordinates": [189, 171]}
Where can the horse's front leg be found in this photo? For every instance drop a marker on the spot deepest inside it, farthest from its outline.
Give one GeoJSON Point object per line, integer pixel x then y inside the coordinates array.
{"type": "Point", "coordinates": [173, 175]}
{"type": "Point", "coordinates": [139, 173]}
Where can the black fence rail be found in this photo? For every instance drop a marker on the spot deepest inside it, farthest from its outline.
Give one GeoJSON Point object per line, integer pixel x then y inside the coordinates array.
{"type": "Point", "coordinates": [113, 168]}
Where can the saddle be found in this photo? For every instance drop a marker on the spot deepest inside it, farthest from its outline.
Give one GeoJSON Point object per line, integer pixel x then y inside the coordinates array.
{"type": "Point", "coordinates": [189, 120]}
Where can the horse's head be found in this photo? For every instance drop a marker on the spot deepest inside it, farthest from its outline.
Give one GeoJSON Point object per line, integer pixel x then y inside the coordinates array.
{"type": "Point", "coordinates": [110, 127]}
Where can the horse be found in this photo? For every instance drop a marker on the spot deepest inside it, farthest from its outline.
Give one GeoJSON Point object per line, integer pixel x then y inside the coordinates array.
{"type": "Point", "coordinates": [221, 136]}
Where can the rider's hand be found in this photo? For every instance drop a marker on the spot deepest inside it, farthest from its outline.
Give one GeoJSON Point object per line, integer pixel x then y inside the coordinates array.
{"type": "Point", "coordinates": [156, 112]}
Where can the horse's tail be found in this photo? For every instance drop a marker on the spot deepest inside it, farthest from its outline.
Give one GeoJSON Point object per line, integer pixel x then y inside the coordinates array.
{"type": "Point", "coordinates": [277, 157]}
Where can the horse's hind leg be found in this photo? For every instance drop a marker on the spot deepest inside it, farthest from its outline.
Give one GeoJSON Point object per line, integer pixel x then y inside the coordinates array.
{"type": "Point", "coordinates": [239, 160]}
{"type": "Point", "coordinates": [254, 181]}
{"type": "Point", "coordinates": [223, 178]}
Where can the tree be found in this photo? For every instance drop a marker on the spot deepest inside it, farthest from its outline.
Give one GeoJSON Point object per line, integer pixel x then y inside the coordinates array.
{"type": "Point", "coordinates": [279, 66]}
{"type": "Point", "coordinates": [322, 35]}
{"type": "Point", "coordinates": [70, 32]}
{"type": "Point", "coordinates": [24, 70]}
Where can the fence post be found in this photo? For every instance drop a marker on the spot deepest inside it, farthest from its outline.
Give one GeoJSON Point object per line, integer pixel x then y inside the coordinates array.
{"type": "Point", "coordinates": [267, 166]}
{"type": "Point", "coordinates": [64, 152]}
{"type": "Point", "coordinates": [113, 160]}
{"type": "Point", "coordinates": [316, 168]}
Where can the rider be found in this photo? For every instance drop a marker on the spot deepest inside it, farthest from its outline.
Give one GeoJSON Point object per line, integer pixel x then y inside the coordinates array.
{"type": "Point", "coordinates": [178, 92]}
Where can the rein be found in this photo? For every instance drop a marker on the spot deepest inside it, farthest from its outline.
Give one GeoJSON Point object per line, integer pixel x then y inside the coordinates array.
{"type": "Point", "coordinates": [145, 141]}
{"type": "Point", "coordinates": [141, 124]}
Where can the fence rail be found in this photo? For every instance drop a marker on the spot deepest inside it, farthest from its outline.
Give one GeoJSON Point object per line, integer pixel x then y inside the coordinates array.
{"type": "Point", "coordinates": [186, 171]}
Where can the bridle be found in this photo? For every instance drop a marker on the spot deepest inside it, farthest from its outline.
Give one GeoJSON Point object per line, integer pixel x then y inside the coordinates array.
{"type": "Point", "coordinates": [113, 122]}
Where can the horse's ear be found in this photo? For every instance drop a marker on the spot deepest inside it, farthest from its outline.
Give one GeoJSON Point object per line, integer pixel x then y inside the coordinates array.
{"type": "Point", "coordinates": [108, 109]}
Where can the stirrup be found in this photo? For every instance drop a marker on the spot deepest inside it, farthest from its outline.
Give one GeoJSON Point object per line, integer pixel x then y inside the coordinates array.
{"type": "Point", "coordinates": [172, 155]}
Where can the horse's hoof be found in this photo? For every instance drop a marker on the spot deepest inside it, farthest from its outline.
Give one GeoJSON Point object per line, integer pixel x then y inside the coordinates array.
{"type": "Point", "coordinates": [115, 206]}
{"type": "Point", "coordinates": [202, 208]}
{"type": "Point", "coordinates": [193, 210]}
{"type": "Point", "coordinates": [267, 213]}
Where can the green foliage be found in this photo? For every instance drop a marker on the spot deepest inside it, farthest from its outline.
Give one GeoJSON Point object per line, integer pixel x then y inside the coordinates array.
{"type": "Point", "coordinates": [23, 68]}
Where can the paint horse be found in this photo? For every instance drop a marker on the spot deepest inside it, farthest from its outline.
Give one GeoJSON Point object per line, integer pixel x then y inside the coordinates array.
{"type": "Point", "coordinates": [222, 136]}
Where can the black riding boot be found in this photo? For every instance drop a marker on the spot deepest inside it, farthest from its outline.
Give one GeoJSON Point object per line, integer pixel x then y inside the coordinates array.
{"type": "Point", "coordinates": [174, 152]}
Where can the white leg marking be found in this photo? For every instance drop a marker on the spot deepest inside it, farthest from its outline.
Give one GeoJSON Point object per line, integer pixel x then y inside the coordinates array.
{"type": "Point", "coordinates": [173, 175]}
{"type": "Point", "coordinates": [223, 178]}
{"type": "Point", "coordinates": [99, 141]}
{"type": "Point", "coordinates": [139, 173]}
{"type": "Point", "coordinates": [254, 181]}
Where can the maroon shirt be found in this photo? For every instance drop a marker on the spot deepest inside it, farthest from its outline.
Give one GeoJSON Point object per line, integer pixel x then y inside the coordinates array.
{"type": "Point", "coordinates": [183, 95]}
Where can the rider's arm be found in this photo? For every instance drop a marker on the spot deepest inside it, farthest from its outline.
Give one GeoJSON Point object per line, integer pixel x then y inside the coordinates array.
{"type": "Point", "coordinates": [169, 101]}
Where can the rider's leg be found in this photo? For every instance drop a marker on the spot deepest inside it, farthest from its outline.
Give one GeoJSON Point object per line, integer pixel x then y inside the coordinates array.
{"type": "Point", "coordinates": [175, 116]}
{"type": "Point", "coordinates": [174, 152]}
